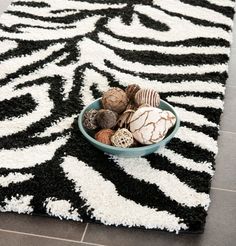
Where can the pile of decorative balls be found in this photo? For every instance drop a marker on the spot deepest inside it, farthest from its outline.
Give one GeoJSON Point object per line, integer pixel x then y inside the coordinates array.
{"type": "Point", "coordinates": [129, 118]}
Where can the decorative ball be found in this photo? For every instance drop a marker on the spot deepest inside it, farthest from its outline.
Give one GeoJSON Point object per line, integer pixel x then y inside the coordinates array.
{"type": "Point", "coordinates": [147, 96]}
{"type": "Point", "coordinates": [125, 118]}
{"type": "Point", "coordinates": [115, 99]}
{"type": "Point", "coordinates": [106, 118]}
{"type": "Point", "coordinates": [122, 138]}
{"type": "Point", "coordinates": [131, 91]}
{"type": "Point", "coordinates": [89, 119]}
{"type": "Point", "coordinates": [150, 125]}
{"type": "Point", "coordinates": [104, 136]}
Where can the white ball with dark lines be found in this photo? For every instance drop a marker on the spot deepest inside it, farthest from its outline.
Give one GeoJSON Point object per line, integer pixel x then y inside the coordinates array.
{"type": "Point", "coordinates": [150, 125]}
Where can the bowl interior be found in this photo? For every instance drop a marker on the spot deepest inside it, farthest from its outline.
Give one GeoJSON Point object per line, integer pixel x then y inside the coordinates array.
{"type": "Point", "coordinates": [89, 134]}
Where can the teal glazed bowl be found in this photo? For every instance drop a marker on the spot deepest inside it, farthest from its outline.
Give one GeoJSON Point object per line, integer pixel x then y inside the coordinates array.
{"type": "Point", "coordinates": [128, 152]}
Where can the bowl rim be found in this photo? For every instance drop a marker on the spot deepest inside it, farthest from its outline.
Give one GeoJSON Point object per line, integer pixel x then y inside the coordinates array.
{"type": "Point", "coordinates": [133, 149]}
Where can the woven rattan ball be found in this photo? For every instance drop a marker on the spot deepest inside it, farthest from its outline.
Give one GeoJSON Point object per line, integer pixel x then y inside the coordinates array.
{"type": "Point", "coordinates": [122, 138]}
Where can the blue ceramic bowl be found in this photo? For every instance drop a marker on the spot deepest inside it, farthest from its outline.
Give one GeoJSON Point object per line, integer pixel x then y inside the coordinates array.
{"type": "Point", "coordinates": [129, 152]}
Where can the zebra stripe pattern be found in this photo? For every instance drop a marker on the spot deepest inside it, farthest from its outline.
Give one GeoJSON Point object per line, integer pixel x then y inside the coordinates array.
{"type": "Point", "coordinates": [58, 56]}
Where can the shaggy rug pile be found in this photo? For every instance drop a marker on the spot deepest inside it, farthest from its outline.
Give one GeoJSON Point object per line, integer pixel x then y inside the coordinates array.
{"type": "Point", "coordinates": [58, 56]}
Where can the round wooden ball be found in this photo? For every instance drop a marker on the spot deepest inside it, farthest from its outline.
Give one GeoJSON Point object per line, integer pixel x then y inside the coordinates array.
{"type": "Point", "coordinates": [115, 99]}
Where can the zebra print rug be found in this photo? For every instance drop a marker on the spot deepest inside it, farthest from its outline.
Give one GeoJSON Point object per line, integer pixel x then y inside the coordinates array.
{"type": "Point", "coordinates": [57, 56]}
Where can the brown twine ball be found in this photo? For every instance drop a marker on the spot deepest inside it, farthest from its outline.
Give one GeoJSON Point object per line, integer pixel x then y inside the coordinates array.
{"type": "Point", "coordinates": [115, 99]}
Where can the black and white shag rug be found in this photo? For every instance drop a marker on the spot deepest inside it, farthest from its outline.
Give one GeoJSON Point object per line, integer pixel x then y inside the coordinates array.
{"type": "Point", "coordinates": [58, 55]}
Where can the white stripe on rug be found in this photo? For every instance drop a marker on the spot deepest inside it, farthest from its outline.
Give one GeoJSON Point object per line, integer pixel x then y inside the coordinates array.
{"type": "Point", "coordinates": [91, 77]}
{"type": "Point", "coordinates": [61, 209]}
{"type": "Point", "coordinates": [103, 53]}
{"type": "Point", "coordinates": [197, 101]}
{"type": "Point", "coordinates": [174, 50]}
{"type": "Point", "coordinates": [42, 110]}
{"type": "Point", "coordinates": [11, 19]}
{"type": "Point", "coordinates": [189, 164]}
{"type": "Point", "coordinates": [62, 5]}
{"type": "Point", "coordinates": [13, 178]}
{"type": "Point", "coordinates": [226, 3]}
{"type": "Point", "coordinates": [108, 206]}
{"type": "Point", "coordinates": [13, 64]}
{"type": "Point", "coordinates": [81, 27]}
{"type": "Point", "coordinates": [197, 138]}
{"type": "Point", "coordinates": [60, 126]}
{"type": "Point", "coordinates": [169, 184]}
{"type": "Point", "coordinates": [193, 11]}
{"type": "Point", "coordinates": [19, 204]}
{"type": "Point", "coordinates": [26, 157]}
{"type": "Point", "coordinates": [201, 86]}
{"type": "Point", "coordinates": [7, 45]}
{"type": "Point", "coordinates": [192, 117]}
{"type": "Point", "coordinates": [176, 24]}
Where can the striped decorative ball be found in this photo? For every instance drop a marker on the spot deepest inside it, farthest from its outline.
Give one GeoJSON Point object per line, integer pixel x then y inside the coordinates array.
{"type": "Point", "coordinates": [147, 96]}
